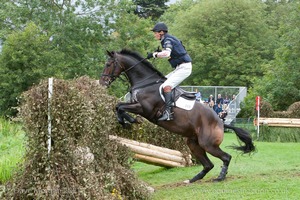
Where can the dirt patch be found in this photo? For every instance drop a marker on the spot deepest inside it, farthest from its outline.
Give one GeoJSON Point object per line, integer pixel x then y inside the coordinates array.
{"type": "Point", "coordinates": [200, 182]}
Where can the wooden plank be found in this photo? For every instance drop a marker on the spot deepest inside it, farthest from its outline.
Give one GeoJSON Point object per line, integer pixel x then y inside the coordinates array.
{"type": "Point", "coordinates": [154, 153]}
{"type": "Point", "coordinates": [158, 161]}
{"type": "Point", "coordinates": [149, 146]}
{"type": "Point", "coordinates": [279, 122]}
{"type": "Point", "coordinates": [150, 153]}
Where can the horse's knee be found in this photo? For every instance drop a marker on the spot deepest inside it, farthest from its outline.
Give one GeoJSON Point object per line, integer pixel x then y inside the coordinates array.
{"type": "Point", "coordinates": [118, 107]}
{"type": "Point", "coordinates": [128, 117]}
{"type": "Point", "coordinates": [226, 159]}
{"type": "Point", "coordinates": [208, 166]}
{"type": "Point", "coordinates": [192, 142]}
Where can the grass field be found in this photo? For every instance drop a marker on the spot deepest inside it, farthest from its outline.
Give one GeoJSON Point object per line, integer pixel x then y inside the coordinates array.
{"type": "Point", "coordinates": [11, 148]}
{"type": "Point", "coordinates": [273, 172]}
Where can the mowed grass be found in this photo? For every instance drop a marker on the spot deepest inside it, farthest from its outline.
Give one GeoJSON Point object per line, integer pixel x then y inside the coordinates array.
{"type": "Point", "coordinates": [11, 148]}
{"type": "Point", "coordinates": [273, 172]}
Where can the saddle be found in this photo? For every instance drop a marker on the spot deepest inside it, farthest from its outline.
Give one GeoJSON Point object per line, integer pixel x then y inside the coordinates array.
{"type": "Point", "coordinates": [179, 92]}
{"type": "Point", "coordinates": [181, 98]}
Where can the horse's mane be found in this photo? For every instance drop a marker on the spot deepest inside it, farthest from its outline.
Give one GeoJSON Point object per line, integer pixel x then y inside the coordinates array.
{"type": "Point", "coordinates": [139, 57]}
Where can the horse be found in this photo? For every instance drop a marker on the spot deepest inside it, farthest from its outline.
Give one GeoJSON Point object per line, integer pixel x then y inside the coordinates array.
{"type": "Point", "coordinates": [201, 126]}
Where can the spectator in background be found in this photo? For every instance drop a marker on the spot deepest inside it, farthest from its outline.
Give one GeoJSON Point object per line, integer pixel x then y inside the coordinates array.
{"type": "Point", "coordinates": [220, 99]}
{"type": "Point", "coordinates": [226, 100]}
{"type": "Point", "coordinates": [233, 97]}
{"type": "Point", "coordinates": [211, 101]}
{"type": "Point", "coordinates": [224, 112]}
{"type": "Point", "coordinates": [218, 109]}
{"type": "Point", "coordinates": [221, 111]}
{"type": "Point", "coordinates": [198, 95]}
{"type": "Point", "coordinates": [211, 98]}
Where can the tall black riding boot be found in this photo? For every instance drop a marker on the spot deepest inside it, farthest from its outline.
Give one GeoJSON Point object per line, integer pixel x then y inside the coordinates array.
{"type": "Point", "coordinates": [167, 115]}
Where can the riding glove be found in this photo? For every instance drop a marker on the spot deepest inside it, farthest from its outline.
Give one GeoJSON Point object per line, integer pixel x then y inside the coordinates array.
{"type": "Point", "coordinates": [152, 55]}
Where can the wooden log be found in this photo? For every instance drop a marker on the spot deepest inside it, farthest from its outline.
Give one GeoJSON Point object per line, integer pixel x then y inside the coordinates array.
{"type": "Point", "coordinates": [153, 153]}
{"type": "Point", "coordinates": [279, 122]}
{"type": "Point", "coordinates": [149, 146]}
{"type": "Point", "coordinates": [150, 153]}
{"type": "Point", "coordinates": [157, 161]}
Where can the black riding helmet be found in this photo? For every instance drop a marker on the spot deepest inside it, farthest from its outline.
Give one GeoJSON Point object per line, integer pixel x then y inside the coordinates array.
{"type": "Point", "coordinates": [160, 26]}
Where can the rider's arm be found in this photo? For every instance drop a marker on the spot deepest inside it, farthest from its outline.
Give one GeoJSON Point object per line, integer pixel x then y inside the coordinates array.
{"type": "Point", "coordinates": [163, 54]}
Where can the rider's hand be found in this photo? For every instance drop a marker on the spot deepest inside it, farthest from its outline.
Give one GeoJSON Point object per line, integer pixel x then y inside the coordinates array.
{"type": "Point", "coordinates": [150, 55]}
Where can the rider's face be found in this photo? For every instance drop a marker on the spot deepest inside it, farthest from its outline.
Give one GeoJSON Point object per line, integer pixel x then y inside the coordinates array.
{"type": "Point", "coordinates": [158, 35]}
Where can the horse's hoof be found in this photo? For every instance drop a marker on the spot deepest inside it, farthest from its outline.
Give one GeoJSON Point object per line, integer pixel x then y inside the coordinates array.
{"type": "Point", "coordinates": [187, 182]}
{"type": "Point", "coordinates": [139, 119]}
{"type": "Point", "coordinates": [126, 126]}
{"type": "Point", "coordinates": [218, 179]}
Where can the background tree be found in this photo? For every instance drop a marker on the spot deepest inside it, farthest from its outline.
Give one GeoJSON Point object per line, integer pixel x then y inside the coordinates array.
{"type": "Point", "coordinates": [27, 57]}
{"type": "Point", "coordinates": [227, 39]}
{"type": "Point", "coordinates": [150, 9]}
{"type": "Point", "coordinates": [80, 38]}
{"type": "Point", "coordinates": [232, 42]}
{"type": "Point", "coordinates": [281, 84]}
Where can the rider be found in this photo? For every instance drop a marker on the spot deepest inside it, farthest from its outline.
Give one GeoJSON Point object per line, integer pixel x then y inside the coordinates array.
{"type": "Point", "coordinates": [179, 60]}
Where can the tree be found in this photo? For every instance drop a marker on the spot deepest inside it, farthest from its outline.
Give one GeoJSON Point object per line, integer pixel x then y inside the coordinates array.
{"type": "Point", "coordinates": [151, 8]}
{"type": "Point", "coordinates": [281, 83]}
{"type": "Point", "coordinates": [75, 40]}
{"type": "Point", "coordinates": [228, 41]}
{"type": "Point", "coordinates": [27, 57]}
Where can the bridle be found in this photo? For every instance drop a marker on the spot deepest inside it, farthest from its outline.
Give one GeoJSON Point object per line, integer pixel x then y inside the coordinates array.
{"type": "Point", "coordinates": [112, 74]}
{"type": "Point", "coordinates": [116, 65]}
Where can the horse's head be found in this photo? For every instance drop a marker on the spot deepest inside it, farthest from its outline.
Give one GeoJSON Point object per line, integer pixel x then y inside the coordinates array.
{"type": "Point", "coordinates": [112, 69]}
{"type": "Point", "coordinates": [136, 68]}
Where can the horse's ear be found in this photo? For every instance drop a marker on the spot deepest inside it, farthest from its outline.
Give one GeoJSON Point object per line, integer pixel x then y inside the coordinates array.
{"type": "Point", "coordinates": [110, 53]}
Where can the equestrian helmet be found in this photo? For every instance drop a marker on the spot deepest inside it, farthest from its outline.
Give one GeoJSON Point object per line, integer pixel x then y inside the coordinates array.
{"type": "Point", "coordinates": [160, 26]}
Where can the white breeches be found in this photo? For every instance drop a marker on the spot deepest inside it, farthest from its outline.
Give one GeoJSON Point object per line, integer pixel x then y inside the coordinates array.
{"type": "Point", "coordinates": [180, 73]}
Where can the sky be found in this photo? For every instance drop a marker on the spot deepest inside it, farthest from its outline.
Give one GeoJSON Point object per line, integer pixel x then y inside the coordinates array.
{"type": "Point", "coordinates": [172, 1]}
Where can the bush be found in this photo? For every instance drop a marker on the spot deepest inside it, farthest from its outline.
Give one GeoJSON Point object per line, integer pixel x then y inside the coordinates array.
{"type": "Point", "coordinates": [266, 109]}
{"type": "Point", "coordinates": [280, 134]}
{"type": "Point", "coordinates": [294, 109]}
{"type": "Point", "coordinates": [292, 112]}
{"type": "Point", "coordinates": [83, 163]}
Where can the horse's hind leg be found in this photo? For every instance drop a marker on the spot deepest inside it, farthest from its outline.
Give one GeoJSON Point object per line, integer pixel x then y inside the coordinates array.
{"type": "Point", "coordinates": [225, 157]}
{"type": "Point", "coordinates": [200, 154]}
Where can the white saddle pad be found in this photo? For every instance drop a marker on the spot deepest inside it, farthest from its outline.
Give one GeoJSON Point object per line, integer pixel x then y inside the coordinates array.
{"type": "Point", "coordinates": [181, 102]}
{"type": "Point", "coordinates": [184, 103]}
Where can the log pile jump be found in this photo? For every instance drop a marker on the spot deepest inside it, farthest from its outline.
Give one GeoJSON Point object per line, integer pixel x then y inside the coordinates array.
{"type": "Point", "coordinates": [279, 122]}
{"type": "Point", "coordinates": [155, 155]}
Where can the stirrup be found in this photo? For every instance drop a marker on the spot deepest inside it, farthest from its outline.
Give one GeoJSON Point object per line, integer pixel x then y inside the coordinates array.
{"type": "Point", "coordinates": [166, 116]}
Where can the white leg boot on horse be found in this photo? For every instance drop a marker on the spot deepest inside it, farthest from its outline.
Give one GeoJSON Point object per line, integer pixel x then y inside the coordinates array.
{"type": "Point", "coordinates": [168, 113]}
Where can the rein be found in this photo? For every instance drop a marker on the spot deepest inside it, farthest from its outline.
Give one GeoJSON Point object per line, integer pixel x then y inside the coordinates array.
{"type": "Point", "coordinates": [134, 65]}
{"type": "Point", "coordinates": [142, 85]}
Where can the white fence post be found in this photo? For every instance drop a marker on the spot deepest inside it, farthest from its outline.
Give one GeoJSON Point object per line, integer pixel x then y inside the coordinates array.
{"type": "Point", "coordinates": [50, 90]}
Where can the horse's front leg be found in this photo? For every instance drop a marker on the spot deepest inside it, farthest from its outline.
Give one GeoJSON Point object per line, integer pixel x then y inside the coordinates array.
{"type": "Point", "coordinates": [122, 115]}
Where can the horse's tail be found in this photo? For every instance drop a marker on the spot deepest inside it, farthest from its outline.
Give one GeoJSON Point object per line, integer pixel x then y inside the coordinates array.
{"type": "Point", "coordinates": [245, 137]}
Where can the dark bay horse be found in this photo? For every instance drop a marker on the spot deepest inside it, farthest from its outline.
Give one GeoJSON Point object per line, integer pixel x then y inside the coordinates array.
{"type": "Point", "coordinates": [201, 126]}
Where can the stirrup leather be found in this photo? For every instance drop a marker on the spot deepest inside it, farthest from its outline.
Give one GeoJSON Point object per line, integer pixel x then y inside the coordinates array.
{"type": "Point", "coordinates": [167, 116]}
